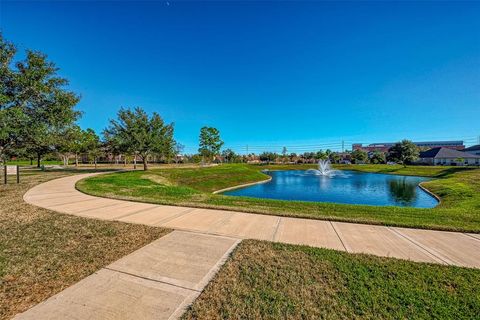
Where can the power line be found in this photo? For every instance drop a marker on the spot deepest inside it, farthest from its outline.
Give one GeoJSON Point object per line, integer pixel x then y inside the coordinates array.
{"type": "Point", "coordinates": [338, 145]}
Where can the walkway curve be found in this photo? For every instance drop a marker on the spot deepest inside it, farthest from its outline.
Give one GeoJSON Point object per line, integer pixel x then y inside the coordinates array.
{"type": "Point", "coordinates": [451, 248]}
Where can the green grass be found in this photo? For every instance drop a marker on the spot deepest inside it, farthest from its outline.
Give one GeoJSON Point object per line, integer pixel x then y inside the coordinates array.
{"type": "Point", "coordinates": [34, 163]}
{"type": "Point", "coordinates": [422, 171]}
{"type": "Point", "coordinates": [265, 280]}
{"type": "Point", "coordinates": [458, 188]}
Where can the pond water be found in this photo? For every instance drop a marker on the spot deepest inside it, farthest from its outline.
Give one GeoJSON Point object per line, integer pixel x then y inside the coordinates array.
{"type": "Point", "coordinates": [349, 187]}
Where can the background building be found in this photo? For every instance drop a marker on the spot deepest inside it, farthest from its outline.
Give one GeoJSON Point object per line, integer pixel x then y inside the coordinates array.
{"type": "Point", "coordinates": [448, 157]}
{"type": "Point", "coordinates": [475, 150]}
{"type": "Point", "coordinates": [384, 146]}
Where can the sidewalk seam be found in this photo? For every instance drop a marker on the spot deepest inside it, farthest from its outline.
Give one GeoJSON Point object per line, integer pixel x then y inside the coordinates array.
{"type": "Point", "coordinates": [177, 215]}
{"type": "Point", "coordinates": [73, 202]}
{"type": "Point", "coordinates": [279, 221]}
{"type": "Point", "coordinates": [104, 207]}
{"type": "Point", "coordinates": [150, 279]}
{"type": "Point", "coordinates": [132, 213]}
{"type": "Point", "coordinates": [339, 238]}
{"type": "Point", "coordinates": [448, 262]}
{"type": "Point", "coordinates": [470, 236]}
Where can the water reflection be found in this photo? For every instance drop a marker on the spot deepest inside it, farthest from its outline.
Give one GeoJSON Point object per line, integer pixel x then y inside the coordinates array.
{"type": "Point", "coordinates": [403, 192]}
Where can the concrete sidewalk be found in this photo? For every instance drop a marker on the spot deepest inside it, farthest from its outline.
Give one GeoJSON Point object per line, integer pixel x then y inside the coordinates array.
{"type": "Point", "coordinates": [451, 248]}
{"type": "Point", "coordinates": [157, 281]}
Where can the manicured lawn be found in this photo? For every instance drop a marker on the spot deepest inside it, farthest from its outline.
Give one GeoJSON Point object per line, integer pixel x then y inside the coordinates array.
{"type": "Point", "coordinates": [34, 163]}
{"type": "Point", "coordinates": [459, 189]}
{"type": "Point", "coordinates": [43, 252]}
{"type": "Point", "coordinates": [265, 280]}
{"type": "Point", "coordinates": [423, 171]}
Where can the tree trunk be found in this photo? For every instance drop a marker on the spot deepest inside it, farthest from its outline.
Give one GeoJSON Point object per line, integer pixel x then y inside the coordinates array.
{"type": "Point", "coordinates": [31, 161]}
{"type": "Point", "coordinates": [76, 159]}
{"type": "Point", "coordinates": [125, 160]}
{"type": "Point", "coordinates": [135, 162]}
{"type": "Point", "coordinates": [95, 160]}
{"type": "Point", "coordinates": [145, 165]}
{"type": "Point", "coordinates": [39, 158]}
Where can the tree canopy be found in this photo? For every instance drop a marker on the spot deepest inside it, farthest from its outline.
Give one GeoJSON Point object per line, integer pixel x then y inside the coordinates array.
{"type": "Point", "coordinates": [35, 106]}
{"type": "Point", "coordinates": [377, 157]}
{"type": "Point", "coordinates": [404, 152]}
{"type": "Point", "coordinates": [137, 133]}
{"type": "Point", "coordinates": [359, 156]}
{"type": "Point", "coordinates": [210, 143]}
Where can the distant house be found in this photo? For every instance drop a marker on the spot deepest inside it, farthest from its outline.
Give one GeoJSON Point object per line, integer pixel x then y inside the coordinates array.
{"type": "Point", "coordinates": [475, 150]}
{"type": "Point", "coordinates": [448, 157]}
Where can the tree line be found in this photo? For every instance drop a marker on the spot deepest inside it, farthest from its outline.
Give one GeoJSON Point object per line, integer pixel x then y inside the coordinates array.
{"type": "Point", "coordinates": [38, 117]}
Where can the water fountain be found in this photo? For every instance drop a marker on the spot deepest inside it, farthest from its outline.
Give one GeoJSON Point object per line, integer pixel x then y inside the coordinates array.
{"type": "Point", "coordinates": [324, 169]}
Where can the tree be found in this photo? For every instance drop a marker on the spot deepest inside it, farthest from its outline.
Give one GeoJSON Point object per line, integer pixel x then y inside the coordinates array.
{"type": "Point", "coordinates": [113, 145]}
{"type": "Point", "coordinates": [34, 94]}
{"type": "Point", "coordinates": [377, 157]}
{"type": "Point", "coordinates": [403, 152]}
{"type": "Point", "coordinates": [334, 157]}
{"type": "Point", "coordinates": [229, 155]}
{"type": "Point", "coordinates": [268, 156]}
{"type": "Point", "coordinates": [308, 156]}
{"type": "Point", "coordinates": [92, 145]}
{"type": "Point", "coordinates": [359, 156]}
{"type": "Point", "coordinates": [12, 118]}
{"type": "Point", "coordinates": [293, 157]}
{"type": "Point", "coordinates": [320, 155]}
{"type": "Point", "coordinates": [11, 128]}
{"type": "Point", "coordinates": [136, 133]}
{"type": "Point", "coordinates": [210, 142]}
{"type": "Point", "coordinates": [66, 143]}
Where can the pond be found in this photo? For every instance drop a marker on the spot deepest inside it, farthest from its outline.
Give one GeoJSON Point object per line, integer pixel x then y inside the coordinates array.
{"type": "Point", "coordinates": [348, 187]}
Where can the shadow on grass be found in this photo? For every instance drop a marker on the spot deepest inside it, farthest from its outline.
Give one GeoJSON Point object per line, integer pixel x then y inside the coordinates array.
{"type": "Point", "coordinates": [443, 174]}
{"type": "Point", "coordinates": [448, 172]}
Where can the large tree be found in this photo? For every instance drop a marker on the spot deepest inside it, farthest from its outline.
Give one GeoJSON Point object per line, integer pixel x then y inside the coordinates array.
{"type": "Point", "coordinates": [229, 155]}
{"type": "Point", "coordinates": [12, 118]}
{"type": "Point", "coordinates": [135, 132]}
{"type": "Point", "coordinates": [404, 152]}
{"type": "Point", "coordinates": [359, 156]}
{"type": "Point", "coordinates": [34, 104]}
{"type": "Point", "coordinates": [210, 143]}
{"type": "Point", "coordinates": [320, 155]}
{"type": "Point", "coordinates": [49, 108]}
{"type": "Point", "coordinates": [377, 157]}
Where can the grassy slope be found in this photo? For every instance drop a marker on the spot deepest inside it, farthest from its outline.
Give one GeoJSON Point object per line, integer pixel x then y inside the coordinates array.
{"type": "Point", "coordinates": [266, 280]}
{"type": "Point", "coordinates": [43, 252]}
{"type": "Point", "coordinates": [459, 210]}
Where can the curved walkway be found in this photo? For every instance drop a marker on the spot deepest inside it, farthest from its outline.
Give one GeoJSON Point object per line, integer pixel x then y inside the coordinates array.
{"type": "Point", "coordinates": [451, 248]}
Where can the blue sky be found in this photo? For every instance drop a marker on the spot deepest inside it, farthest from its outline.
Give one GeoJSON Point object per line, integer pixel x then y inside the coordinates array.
{"type": "Point", "coordinates": [305, 75]}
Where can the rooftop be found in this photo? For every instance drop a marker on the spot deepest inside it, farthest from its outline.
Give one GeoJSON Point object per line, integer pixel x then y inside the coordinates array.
{"type": "Point", "coordinates": [441, 152]}
{"type": "Point", "coordinates": [472, 148]}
